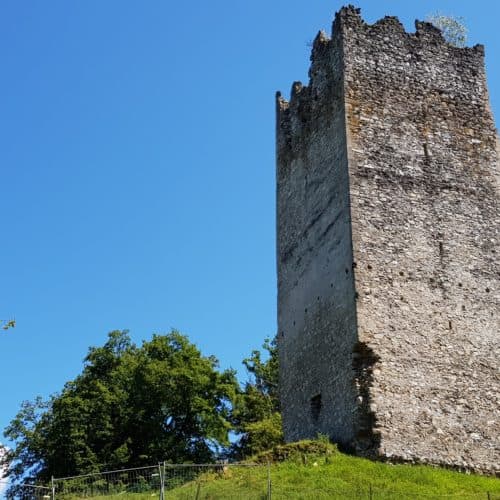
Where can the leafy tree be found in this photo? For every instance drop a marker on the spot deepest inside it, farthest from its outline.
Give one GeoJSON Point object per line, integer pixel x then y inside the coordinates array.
{"type": "Point", "coordinates": [130, 406]}
{"type": "Point", "coordinates": [453, 28]}
{"type": "Point", "coordinates": [256, 414]}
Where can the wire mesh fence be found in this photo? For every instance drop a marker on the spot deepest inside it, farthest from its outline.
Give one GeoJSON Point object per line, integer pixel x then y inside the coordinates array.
{"type": "Point", "coordinates": [168, 481]}
{"type": "Point", "coordinates": [183, 482]}
{"type": "Point", "coordinates": [217, 481]}
{"type": "Point", "coordinates": [143, 480]}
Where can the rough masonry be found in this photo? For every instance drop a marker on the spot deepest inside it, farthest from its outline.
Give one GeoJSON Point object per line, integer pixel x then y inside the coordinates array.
{"type": "Point", "coordinates": [388, 265]}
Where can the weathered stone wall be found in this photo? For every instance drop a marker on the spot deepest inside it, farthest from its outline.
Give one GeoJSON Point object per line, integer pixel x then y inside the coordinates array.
{"type": "Point", "coordinates": [397, 127]}
{"type": "Point", "coordinates": [316, 309]}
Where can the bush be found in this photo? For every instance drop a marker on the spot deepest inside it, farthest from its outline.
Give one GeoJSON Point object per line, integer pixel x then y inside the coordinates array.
{"type": "Point", "coordinates": [301, 451]}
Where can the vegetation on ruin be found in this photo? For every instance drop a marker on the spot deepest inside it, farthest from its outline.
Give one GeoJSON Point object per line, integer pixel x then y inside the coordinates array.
{"type": "Point", "coordinates": [453, 28]}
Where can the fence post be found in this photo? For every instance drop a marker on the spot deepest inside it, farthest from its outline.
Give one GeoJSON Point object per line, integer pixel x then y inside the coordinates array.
{"type": "Point", "coordinates": [53, 488]}
{"type": "Point", "coordinates": [161, 471]}
{"type": "Point", "coordinates": [268, 480]}
{"type": "Point", "coordinates": [371, 492]}
{"type": "Point", "coordinates": [488, 495]}
{"type": "Point", "coordinates": [198, 489]}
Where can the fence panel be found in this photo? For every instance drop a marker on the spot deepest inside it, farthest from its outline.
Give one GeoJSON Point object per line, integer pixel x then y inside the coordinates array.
{"type": "Point", "coordinates": [197, 482]}
{"type": "Point", "coordinates": [215, 481]}
{"type": "Point", "coordinates": [169, 482]}
{"type": "Point", "coordinates": [145, 481]}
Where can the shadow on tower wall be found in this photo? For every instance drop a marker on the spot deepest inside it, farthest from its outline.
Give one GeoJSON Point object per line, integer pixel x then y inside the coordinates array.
{"type": "Point", "coordinates": [367, 439]}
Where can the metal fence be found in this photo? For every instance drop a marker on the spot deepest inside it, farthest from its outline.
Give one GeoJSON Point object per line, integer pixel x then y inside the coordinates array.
{"type": "Point", "coordinates": [145, 480]}
{"type": "Point", "coordinates": [183, 482]}
{"type": "Point", "coordinates": [166, 481]}
{"type": "Point", "coordinates": [213, 481]}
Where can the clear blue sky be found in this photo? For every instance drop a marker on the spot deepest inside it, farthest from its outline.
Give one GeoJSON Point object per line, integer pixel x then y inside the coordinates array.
{"type": "Point", "coordinates": [137, 170]}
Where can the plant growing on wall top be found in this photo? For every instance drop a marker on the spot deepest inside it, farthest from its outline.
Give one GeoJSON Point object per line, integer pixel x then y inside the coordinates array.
{"type": "Point", "coordinates": [453, 28]}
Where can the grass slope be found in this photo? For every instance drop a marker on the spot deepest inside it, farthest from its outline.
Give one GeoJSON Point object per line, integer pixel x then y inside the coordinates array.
{"type": "Point", "coordinates": [315, 470]}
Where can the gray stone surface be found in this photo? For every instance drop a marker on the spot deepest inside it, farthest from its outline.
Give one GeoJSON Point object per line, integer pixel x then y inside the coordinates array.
{"type": "Point", "coordinates": [388, 218]}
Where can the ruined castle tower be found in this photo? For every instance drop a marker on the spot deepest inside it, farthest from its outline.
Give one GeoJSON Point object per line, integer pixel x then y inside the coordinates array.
{"type": "Point", "coordinates": [388, 217]}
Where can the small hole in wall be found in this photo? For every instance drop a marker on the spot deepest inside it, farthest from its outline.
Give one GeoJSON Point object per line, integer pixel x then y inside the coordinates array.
{"type": "Point", "coordinates": [402, 298]}
{"type": "Point", "coordinates": [356, 295]}
{"type": "Point", "coordinates": [440, 249]}
{"type": "Point", "coordinates": [487, 290]}
{"type": "Point", "coordinates": [331, 285]}
{"type": "Point", "coordinates": [294, 323]}
{"type": "Point", "coordinates": [305, 310]}
{"type": "Point", "coordinates": [369, 267]}
{"type": "Point", "coordinates": [316, 406]}
{"type": "Point", "coordinates": [346, 270]}
{"type": "Point", "coordinates": [431, 280]}
{"type": "Point", "coordinates": [354, 265]}
{"type": "Point", "coordinates": [463, 308]}
{"type": "Point", "coordinates": [460, 285]}
{"type": "Point", "coordinates": [449, 324]}
{"type": "Point", "coordinates": [317, 298]}
{"type": "Point", "coordinates": [401, 273]}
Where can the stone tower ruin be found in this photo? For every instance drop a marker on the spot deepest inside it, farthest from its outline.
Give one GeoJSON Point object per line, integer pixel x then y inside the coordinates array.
{"type": "Point", "coordinates": [388, 264]}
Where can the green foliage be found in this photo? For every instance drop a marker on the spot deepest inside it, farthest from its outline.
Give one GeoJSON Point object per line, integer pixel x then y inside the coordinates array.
{"type": "Point", "coordinates": [26, 430]}
{"type": "Point", "coordinates": [7, 323]}
{"type": "Point", "coordinates": [263, 433]}
{"type": "Point", "coordinates": [304, 451]}
{"type": "Point", "coordinates": [265, 373]}
{"type": "Point", "coordinates": [130, 406]}
{"type": "Point", "coordinates": [256, 414]}
{"type": "Point", "coordinates": [453, 28]}
{"type": "Point", "coordinates": [315, 472]}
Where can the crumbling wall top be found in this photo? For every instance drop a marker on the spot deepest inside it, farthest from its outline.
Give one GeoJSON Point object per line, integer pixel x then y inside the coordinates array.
{"type": "Point", "coordinates": [349, 17]}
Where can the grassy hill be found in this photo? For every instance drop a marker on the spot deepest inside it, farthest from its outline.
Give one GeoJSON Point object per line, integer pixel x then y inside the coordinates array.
{"type": "Point", "coordinates": [316, 470]}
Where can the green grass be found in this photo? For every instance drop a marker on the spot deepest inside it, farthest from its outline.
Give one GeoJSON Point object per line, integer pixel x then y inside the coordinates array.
{"type": "Point", "coordinates": [331, 475]}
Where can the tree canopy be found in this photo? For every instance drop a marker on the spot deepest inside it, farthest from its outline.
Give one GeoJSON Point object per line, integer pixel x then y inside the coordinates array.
{"type": "Point", "coordinates": [130, 406]}
{"type": "Point", "coordinates": [256, 414]}
{"type": "Point", "coordinates": [133, 406]}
